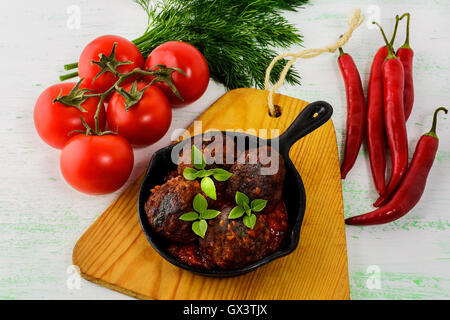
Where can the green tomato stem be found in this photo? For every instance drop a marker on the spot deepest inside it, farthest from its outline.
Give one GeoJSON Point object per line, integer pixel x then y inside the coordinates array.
{"type": "Point", "coordinates": [121, 77]}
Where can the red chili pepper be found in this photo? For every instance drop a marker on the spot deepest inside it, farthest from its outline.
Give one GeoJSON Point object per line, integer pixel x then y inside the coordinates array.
{"type": "Point", "coordinates": [376, 134]}
{"type": "Point", "coordinates": [412, 187]}
{"type": "Point", "coordinates": [356, 111]}
{"type": "Point", "coordinates": [394, 119]}
{"type": "Point", "coordinates": [406, 54]}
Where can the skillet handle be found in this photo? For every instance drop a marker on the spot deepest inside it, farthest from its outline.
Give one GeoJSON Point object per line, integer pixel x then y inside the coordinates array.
{"type": "Point", "coordinates": [305, 123]}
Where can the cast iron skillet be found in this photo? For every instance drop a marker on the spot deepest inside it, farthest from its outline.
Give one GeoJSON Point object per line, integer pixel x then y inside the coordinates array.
{"type": "Point", "coordinates": [311, 118]}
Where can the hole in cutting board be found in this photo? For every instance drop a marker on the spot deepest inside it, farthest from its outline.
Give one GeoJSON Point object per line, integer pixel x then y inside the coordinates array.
{"type": "Point", "coordinates": [276, 113]}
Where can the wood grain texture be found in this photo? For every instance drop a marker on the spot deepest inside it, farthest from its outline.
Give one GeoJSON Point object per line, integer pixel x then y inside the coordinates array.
{"type": "Point", "coordinates": [115, 253]}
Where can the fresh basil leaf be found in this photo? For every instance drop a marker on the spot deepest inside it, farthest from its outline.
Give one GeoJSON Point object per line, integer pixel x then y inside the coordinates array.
{"type": "Point", "coordinates": [247, 209]}
{"type": "Point", "coordinates": [189, 216]}
{"type": "Point", "coordinates": [236, 212]}
{"type": "Point", "coordinates": [197, 158]}
{"type": "Point", "coordinates": [249, 221]}
{"type": "Point", "coordinates": [200, 204]}
{"type": "Point", "coordinates": [203, 173]}
{"type": "Point", "coordinates": [209, 214]}
{"type": "Point", "coordinates": [221, 174]}
{"type": "Point", "coordinates": [241, 199]}
{"type": "Point", "coordinates": [190, 173]}
{"type": "Point", "coordinates": [200, 227]}
{"type": "Point", "coordinates": [258, 205]}
{"type": "Point", "coordinates": [209, 188]}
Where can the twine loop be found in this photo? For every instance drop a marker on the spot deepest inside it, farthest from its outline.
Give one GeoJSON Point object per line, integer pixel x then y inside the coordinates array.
{"type": "Point", "coordinates": [354, 21]}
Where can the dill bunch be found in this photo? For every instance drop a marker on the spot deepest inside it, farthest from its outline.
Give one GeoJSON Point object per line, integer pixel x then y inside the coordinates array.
{"type": "Point", "coordinates": [238, 38]}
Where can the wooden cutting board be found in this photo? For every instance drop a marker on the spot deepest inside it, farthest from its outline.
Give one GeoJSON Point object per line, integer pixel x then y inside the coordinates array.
{"type": "Point", "coordinates": [114, 252]}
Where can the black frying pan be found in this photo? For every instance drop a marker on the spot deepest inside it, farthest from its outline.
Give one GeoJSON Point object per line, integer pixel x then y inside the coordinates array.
{"type": "Point", "coordinates": [311, 118]}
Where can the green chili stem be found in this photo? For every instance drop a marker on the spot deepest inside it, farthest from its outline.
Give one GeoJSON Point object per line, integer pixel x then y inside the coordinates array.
{"type": "Point", "coordinates": [432, 132]}
{"type": "Point", "coordinates": [406, 44]}
{"type": "Point", "coordinates": [391, 54]}
{"type": "Point", "coordinates": [397, 20]}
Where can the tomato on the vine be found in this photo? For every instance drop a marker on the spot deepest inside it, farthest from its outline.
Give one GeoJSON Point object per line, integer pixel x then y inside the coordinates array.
{"type": "Point", "coordinates": [124, 51]}
{"type": "Point", "coordinates": [178, 54]}
{"type": "Point", "coordinates": [97, 164]}
{"type": "Point", "coordinates": [146, 121]}
{"type": "Point", "coordinates": [54, 120]}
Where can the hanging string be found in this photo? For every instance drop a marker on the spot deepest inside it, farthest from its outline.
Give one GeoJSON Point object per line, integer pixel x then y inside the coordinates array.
{"type": "Point", "coordinates": [354, 21]}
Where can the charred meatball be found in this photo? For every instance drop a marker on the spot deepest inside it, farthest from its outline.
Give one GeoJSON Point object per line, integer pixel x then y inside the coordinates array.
{"type": "Point", "coordinates": [257, 175]}
{"type": "Point", "coordinates": [229, 244]}
{"type": "Point", "coordinates": [167, 203]}
{"type": "Point", "coordinates": [218, 153]}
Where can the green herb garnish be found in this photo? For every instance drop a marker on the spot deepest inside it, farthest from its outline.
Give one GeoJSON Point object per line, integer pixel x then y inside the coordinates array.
{"type": "Point", "coordinates": [244, 206]}
{"type": "Point", "coordinates": [208, 187]}
{"type": "Point", "coordinates": [207, 184]}
{"type": "Point", "coordinates": [200, 215]}
{"type": "Point", "coordinates": [197, 158]}
{"type": "Point", "coordinates": [237, 38]}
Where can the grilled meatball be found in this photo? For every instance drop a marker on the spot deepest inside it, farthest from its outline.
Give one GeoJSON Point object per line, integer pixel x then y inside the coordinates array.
{"type": "Point", "coordinates": [167, 203]}
{"type": "Point", "coordinates": [211, 151]}
{"type": "Point", "coordinates": [230, 244]}
{"type": "Point", "coordinates": [256, 178]}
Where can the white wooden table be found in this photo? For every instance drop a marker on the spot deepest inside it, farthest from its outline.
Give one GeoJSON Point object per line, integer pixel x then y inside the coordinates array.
{"type": "Point", "coordinates": [41, 217]}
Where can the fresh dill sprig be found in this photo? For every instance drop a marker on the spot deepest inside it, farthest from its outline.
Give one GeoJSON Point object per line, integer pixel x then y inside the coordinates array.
{"type": "Point", "coordinates": [237, 38]}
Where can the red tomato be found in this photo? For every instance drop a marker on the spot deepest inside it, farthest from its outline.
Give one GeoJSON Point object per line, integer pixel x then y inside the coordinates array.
{"type": "Point", "coordinates": [144, 123]}
{"type": "Point", "coordinates": [178, 54]}
{"type": "Point", "coordinates": [125, 51]}
{"type": "Point", "coordinates": [97, 164]}
{"type": "Point", "coordinates": [54, 121]}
